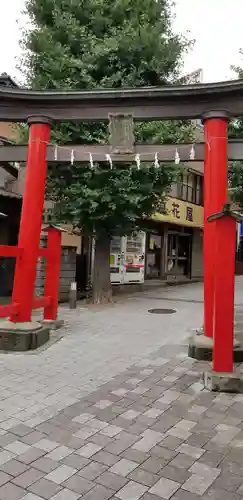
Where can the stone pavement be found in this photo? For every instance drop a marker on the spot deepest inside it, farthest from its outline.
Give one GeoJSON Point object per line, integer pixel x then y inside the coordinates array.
{"type": "Point", "coordinates": [116, 410]}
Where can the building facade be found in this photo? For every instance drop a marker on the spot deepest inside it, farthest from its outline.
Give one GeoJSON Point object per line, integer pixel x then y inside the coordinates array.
{"type": "Point", "coordinates": [174, 241]}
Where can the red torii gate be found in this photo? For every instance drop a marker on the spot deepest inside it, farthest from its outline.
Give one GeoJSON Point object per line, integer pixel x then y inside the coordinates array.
{"type": "Point", "coordinates": [214, 103]}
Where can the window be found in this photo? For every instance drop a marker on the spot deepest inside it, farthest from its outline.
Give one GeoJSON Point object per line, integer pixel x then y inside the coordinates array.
{"type": "Point", "coordinates": [190, 188]}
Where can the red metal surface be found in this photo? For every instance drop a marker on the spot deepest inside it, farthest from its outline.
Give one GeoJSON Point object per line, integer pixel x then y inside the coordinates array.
{"type": "Point", "coordinates": [225, 242]}
{"type": "Point", "coordinates": [43, 253]}
{"type": "Point", "coordinates": [53, 265]}
{"type": "Point", "coordinates": [39, 302]}
{"type": "Point", "coordinates": [215, 196]}
{"type": "Point", "coordinates": [10, 251]}
{"type": "Point", "coordinates": [8, 310]}
{"type": "Point", "coordinates": [31, 220]}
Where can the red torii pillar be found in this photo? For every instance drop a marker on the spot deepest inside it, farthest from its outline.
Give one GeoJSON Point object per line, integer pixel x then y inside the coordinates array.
{"type": "Point", "coordinates": [31, 217]}
{"type": "Point", "coordinates": [215, 197]}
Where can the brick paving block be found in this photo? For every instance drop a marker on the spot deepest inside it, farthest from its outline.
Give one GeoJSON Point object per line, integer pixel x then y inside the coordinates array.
{"type": "Point", "coordinates": [83, 418]}
{"type": "Point", "coordinates": [153, 413]}
{"type": "Point", "coordinates": [31, 496]}
{"type": "Point", "coordinates": [186, 495]}
{"type": "Point", "coordinates": [165, 422]}
{"type": "Point", "coordinates": [133, 381]}
{"type": "Point", "coordinates": [204, 470]}
{"type": "Point", "coordinates": [75, 461]}
{"type": "Point", "coordinates": [149, 439]}
{"type": "Point", "coordinates": [126, 438]}
{"type": "Point", "coordinates": [5, 456]}
{"type": "Point", "coordinates": [140, 390]}
{"type": "Point", "coordinates": [93, 470]}
{"type": "Point", "coordinates": [31, 455]}
{"type": "Point", "coordinates": [211, 458]}
{"type": "Point", "coordinates": [112, 481]}
{"type": "Point", "coordinates": [28, 477]}
{"type": "Point", "coordinates": [111, 430]}
{"type": "Point", "coordinates": [44, 488]}
{"type": "Point", "coordinates": [10, 491]}
{"type": "Point", "coordinates": [4, 478]}
{"type": "Point", "coordinates": [65, 494]}
{"type": "Point", "coordinates": [197, 409]}
{"type": "Point", "coordinates": [135, 456]}
{"type": "Point", "coordinates": [165, 488]}
{"type": "Point", "coordinates": [59, 453]}
{"type": "Point", "coordinates": [198, 484]}
{"type": "Point", "coordinates": [105, 458]}
{"type": "Point", "coordinates": [186, 425]}
{"type": "Point", "coordinates": [7, 438]}
{"type": "Point", "coordinates": [123, 467]}
{"type": "Point", "coordinates": [198, 440]}
{"type": "Point", "coordinates": [130, 414]}
{"type": "Point", "coordinates": [33, 437]}
{"type": "Point", "coordinates": [161, 452]}
{"type": "Point", "coordinates": [191, 451]}
{"type": "Point", "coordinates": [100, 440]}
{"type": "Point", "coordinates": [137, 428]}
{"type": "Point", "coordinates": [117, 447]}
{"type": "Point", "coordinates": [175, 473]}
{"type": "Point", "coordinates": [78, 484]}
{"type": "Point", "coordinates": [228, 482]}
{"type": "Point", "coordinates": [61, 474]}
{"type": "Point", "coordinates": [14, 467]}
{"type": "Point", "coordinates": [88, 450]}
{"type": "Point", "coordinates": [103, 403]}
{"type": "Point", "coordinates": [169, 396]}
{"type": "Point", "coordinates": [182, 461]}
{"type": "Point", "coordinates": [46, 444]}
{"type": "Point", "coordinates": [154, 465]}
{"type": "Point", "coordinates": [171, 442]}
{"type": "Point", "coordinates": [142, 476]}
{"type": "Point", "coordinates": [131, 491]}
{"type": "Point", "coordinates": [45, 464]}
{"type": "Point", "coordinates": [96, 424]}
{"type": "Point", "coordinates": [99, 492]}
{"type": "Point", "coordinates": [120, 392]}
{"type": "Point", "coordinates": [85, 432]}
{"type": "Point", "coordinates": [21, 430]}
{"type": "Point", "coordinates": [179, 433]}
{"type": "Point", "coordinates": [216, 494]}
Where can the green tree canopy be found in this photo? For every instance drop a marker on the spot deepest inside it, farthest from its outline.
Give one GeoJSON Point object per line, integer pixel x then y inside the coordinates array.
{"type": "Point", "coordinates": [87, 44]}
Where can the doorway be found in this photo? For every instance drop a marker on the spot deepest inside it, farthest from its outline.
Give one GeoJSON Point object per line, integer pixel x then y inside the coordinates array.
{"type": "Point", "coordinates": [154, 245]}
{"type": "Point", "coordinates": [179, 254]}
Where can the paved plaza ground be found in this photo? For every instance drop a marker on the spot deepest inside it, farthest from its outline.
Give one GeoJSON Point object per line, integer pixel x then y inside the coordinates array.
{"type": "Point", "coordinates": [114, 409]}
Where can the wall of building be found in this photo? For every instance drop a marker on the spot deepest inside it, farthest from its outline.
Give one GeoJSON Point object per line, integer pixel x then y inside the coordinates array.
{"type": "Point", "coordinates": [197, 254]}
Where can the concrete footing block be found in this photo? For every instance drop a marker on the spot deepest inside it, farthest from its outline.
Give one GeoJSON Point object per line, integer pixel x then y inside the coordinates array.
{"type": "Point", "coordinates": [200, 347]}
{"type": "Point", "coordinates": [22, 336]}
{"type": "Point", "coordinates": [223, 382]}
{"type": "Point", "coordinates": [53, 324]}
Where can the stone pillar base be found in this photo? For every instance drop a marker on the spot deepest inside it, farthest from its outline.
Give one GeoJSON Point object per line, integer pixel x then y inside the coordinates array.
{"type": "Point", "coordinates": [22, 336]}
{"type": "Point", "coordinates": [201, 348]}
{"type": "Point", "coordinates": [52, 324]}
{"type": "Point", "coordinates": [223, 382]}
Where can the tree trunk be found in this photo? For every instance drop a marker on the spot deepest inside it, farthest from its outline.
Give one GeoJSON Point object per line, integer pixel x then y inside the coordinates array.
{"type": "Point", "coordinates": [102, 291]}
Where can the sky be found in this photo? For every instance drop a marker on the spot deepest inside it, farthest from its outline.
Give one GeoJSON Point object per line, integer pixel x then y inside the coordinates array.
{"type": "Point", "coordinates": [216, 26]}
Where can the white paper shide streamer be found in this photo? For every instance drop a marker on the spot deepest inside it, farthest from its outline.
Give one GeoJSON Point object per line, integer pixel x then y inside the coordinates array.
{"type": "Point", "coordinates": [91, 161]}
{"type": "Point", "coordinates": [138, 161]}
{"type": "Point", "coordinates": [192, 153]}
{"type": "Point", "coordinates": [72, 157]}
{"type": "Point", "coordinates": [108, 158]}
{"type": "Point", "coordinates": [177, 157]}
{"type": "Point", "coordinates": [156, 160]}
